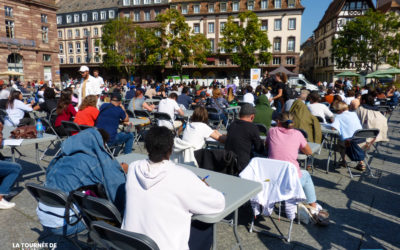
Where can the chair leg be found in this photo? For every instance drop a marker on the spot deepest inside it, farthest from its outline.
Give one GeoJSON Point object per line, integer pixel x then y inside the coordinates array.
{"type": "Point", "coordinates": [290, 231]}
{"type": "Point", "coordinates": [279, 216]}
{"type": "Point", "coordinates": [252, 224]}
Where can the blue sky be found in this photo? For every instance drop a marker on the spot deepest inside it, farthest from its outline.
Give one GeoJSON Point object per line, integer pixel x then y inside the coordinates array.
{"type": "Point", "coordinates": [315, 9]}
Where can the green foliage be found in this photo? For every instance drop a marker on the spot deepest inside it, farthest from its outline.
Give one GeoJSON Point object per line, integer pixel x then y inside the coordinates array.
{"type": "Point", "coordinates": [368, 41]}
{"type": "Point", "coordinates": [179, 46]}
{"type": "Point", "coordinates": [243, 42]}
{"type": "Point", "coordinates": [128, 46]}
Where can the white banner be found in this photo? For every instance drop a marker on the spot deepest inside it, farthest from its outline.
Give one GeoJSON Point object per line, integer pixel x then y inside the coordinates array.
{"type": "Point", "coordinates": [255, 77]}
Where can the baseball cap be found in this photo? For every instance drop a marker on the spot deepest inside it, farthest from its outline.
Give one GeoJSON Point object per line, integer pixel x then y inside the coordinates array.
{"type": "Point", "coordinates": [203, 94]}
{"type": "Point", "coordinates": [116, 97]}
{"type": "Point", "coordinates": [247, 109]}
{"type": "Point", "coordinates": [83, 68]}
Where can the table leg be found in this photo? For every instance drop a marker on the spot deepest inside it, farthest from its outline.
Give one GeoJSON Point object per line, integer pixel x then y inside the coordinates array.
{"type": "Point", "coordinates": [329, 154]}
{"type": "Point", "coordinates": [13, 154]}
{"type": "Point", "coordinates": [235, 222]}
{"type": "Point", "coordinates": [214, 245]}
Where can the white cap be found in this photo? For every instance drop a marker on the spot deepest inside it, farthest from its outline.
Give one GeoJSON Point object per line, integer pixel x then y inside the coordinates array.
{"type": "Point", "coordinates": [83, 68]}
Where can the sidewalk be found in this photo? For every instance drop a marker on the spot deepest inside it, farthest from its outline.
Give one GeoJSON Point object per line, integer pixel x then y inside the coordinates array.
{"type": "Point", "coordinates": [365, 211]}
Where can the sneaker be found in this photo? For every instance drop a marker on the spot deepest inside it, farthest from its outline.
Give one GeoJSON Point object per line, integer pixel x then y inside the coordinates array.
{"type": "Point", "coordinates": [4, 204]}
{"type": "Point", "coordinates": [303, 214]}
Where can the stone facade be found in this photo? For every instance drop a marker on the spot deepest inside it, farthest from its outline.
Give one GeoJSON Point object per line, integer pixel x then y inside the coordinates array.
{"type": "Point", "coordinates": [28, 43]}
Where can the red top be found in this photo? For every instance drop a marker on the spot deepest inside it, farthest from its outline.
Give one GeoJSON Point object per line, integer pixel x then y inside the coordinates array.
{"type": "Point", "coordinates": [66, 115]}
{"type": "Point", "coordinates": [87, 116]}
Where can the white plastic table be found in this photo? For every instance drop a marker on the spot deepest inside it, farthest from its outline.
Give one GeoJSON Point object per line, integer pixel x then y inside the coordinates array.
{"type": "Point", "coordinates": [333, 134]}
{"type": "Point", "coordinates": [237, 191]}
{"type": "Point", "coordinates": [137, 121]}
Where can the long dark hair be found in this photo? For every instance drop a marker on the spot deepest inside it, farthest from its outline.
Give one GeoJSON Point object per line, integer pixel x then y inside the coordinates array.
{"type": "Point", "coordinates": [14, 96]}
{"type": "Point", "coordinates": [65, 100]}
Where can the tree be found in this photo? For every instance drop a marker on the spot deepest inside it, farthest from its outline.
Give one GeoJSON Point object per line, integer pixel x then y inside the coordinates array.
{"type": "Point", "coordinates": [368, 41]}
{"type": "Point", "coordinates": [128, 46]}
{"type": "Point", "coordinates": [244, 40]}
{"type": "Point", "coordinates": [179, 45]}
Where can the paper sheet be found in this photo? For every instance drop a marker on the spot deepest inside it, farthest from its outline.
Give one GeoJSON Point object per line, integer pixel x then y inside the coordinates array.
{"type": "Point", "coordinates": [13, 142]}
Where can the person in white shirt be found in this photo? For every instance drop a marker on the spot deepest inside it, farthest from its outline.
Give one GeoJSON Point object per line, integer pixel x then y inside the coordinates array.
{"type": "Point", "coordinates": [16, 110]}
{"type": "Point", "coordinates": [89, 85]}
{"type": "Point", "coordinates": [249, 97]}
{"type": "Point", "coordinates": [319, 109]}
{"type": "Point", "coordinates": [170, 106]}
{"type": "Point", "coordinates": [4, 93]}
{"type": "Point", "coordinates": [350, 97]}
{"type": "Point", "coordinates": [161, 198]}
{"type": "Point", "coordinates": [99, 79]}
{"type": "Point", "coordinates": [197, 131]}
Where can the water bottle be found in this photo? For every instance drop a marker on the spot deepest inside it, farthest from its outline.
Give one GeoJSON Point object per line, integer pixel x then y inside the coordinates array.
{"type": "Point", "coordinates": [39, 128]}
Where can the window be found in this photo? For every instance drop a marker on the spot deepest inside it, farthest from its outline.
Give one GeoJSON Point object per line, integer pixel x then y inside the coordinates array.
{"type": "Point", "coordinates": [292, 23]}
{"type": "Point", "coordinates": [221, 50]}
{"type": "Point", "coordinates": [77, 33]}
{"type": "Point", "coordinates": [70, 48]}
{"type": "Point", "coordinates": [69, 33]}
{"type": "Point", "coordinates": [59, 34]}
{"type": "Point", "coordinates": [43, 18]}
{"type": "Point", "coordinates": [62, 60]}
{"type": "Point", "coordinates": [45, 34]}
{"type": "Point", "coordinates": [196, 28]}
{"type": "Point", "coordinates": [71, 60]}
{"type": "Point", "coordinates": [126, 2]}
{"type": "Point", "coordinates": [290, 61]}
{"type": "Point", "coordinates": [87, 59]}
{"type": "Point", "coordinates": [278, 4]}
{"type": "Point", "coordinates": [291, 3]}
{"type": "Point", "coordinates": [158, 33]}
{"type": "Point", "coordinates": [276, 60]}
{"type": "Point", "coordinates": [69, 18]}
{"type": "Point", "coordinates": [46, 57]}
{"type": "Point", "coordinates": [264, 4]}
{"type": "Point", "coordinates": [212, 45]}
{"type": "Point", "coordinates": [96, 31]}
{"type": "Point", "coordinates": [157, 1]}
{"type": "Point", "coordinates": [291, 44]}
{"type": "Point", "coordinates": [8, 11]}
{"type": "Point", "coordinates": [146, 1]}
{"type": "Point", "coordinates": [222, 7]}
{"type": "Point", "coordinates": [196, 8]}
{"type": "Point", "coordinates": [78, 47]}
{"type": "Point", "coordinates": [111, 14]}
{"type": "Point", "coordinates": [78, 59]}
{"type": "Point", "coordinates": [235, 6]}
{"type": "Point", "coordinates": [210, 8]}
{"type": "Point", "coordinates": [277, 44]}
{"type": "Point", "coordinates": [103, 15]}
{"type": "Point", "coordinates": [136, 2]}
{"type": "Point", "coordinates": [136, 17]}
{"type": "Point", "coordinates": [127, 15]}
{"type": "Point", "coordinates": [61, 48]}
{"type": "Point", "coordinates": [95, 16]}
{"type": "Point", "coordinates": [157, 12]}
{"type": "Point", "coordinates": [250, 5]}
{"type": "Point", "coordinates": [85, 32]}
{"type": "Point", "coordinates": [59, 19]}
{"type": "Point", "coordinates": [184, 9]}
{"type": "Point", "coordinates": [264, 25]}
{"type": "Point", "coordinates": [76, 18]}
{"type": "Point", "coordinates": [221, 26]}
{"type": "Point", "coordinates": [173, 7]}
{"type": "Point", "coordinates": [86, 47]}
{"type": "Point", "coordinates": [96, 49]}
{"type": "Point", "coordinates": [278, 24]}
{"type": "Point", "coordinates": [222, 62]}
{"type": "Point", "coordinates": [84, 17]}
{"type": "Point", "coordinates": [147, 16]}
{"type": "Point", "coordinates": [210, 27]}
{"type": "Point", "coordinates": [97, 59]}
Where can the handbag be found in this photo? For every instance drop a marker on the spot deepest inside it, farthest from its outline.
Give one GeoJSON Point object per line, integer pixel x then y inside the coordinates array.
{"type": "Point", "coordinates": [24, 132]}
{"type": "Point", "coordinates": [353, 151]}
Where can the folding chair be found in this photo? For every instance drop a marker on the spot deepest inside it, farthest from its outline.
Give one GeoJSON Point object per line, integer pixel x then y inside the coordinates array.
{"type": "Point", "coordinates": [141, 114]}
{"type": "Point", "coordinates": [213, 122]}
{"type": "Point", "coordinates": [70, 127]}
{"type": "Point", "coordinates": [276, 177]}
{"type": "Point", "coordinates": [115, 238]}
{"type": "Point", "coordinates": [50, 129]}
{"type": "Point", "coordinates": [161, 116]}
{"type": "Point", "coordinates": [314, 148]}
{"type": "Point", "coordinates": [364, 134]}
{"type": "Point", "coordinates": [83, 127]}
{"type": "Point", "coordinates": [261, 128]}
{"type": "Point", "coordinates": [3, 114]}
{"type": "Point", "coordinates": [130, 113]}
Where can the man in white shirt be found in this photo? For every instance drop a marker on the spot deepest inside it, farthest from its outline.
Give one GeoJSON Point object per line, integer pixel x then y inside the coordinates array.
{"type": "Point", "coordinates": [249, 97]}
{"type": "Point", "coordinates": [319, 109]}
{"type": "Point", "coordinates": [99, 79]}
{"type": "Point", "coordinates": [89, 85]}
{"type": "Point", "coordinates": [170, 106]}
{"type": "Point", "coordinates": [161, 198]}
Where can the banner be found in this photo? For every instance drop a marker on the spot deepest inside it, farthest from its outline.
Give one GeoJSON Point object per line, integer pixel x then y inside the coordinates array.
{"type": "Point", "coordinates": [255, 77]}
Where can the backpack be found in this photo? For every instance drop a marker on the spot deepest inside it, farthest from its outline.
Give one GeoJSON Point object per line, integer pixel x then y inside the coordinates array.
{"type": "Point", "coordinates": [288, 92]}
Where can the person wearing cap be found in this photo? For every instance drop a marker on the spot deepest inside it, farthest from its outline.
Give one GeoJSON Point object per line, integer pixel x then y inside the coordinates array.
{"type": "Point", "coordinates": [111, 114]}
{"type": "Point", "coordinates": [243, 136]}
{"type": "Point", "coordinates": [89, 85]}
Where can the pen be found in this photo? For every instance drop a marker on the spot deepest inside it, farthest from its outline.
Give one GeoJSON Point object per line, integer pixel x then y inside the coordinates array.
{"type": "Point", "coordinates": [205, 178]}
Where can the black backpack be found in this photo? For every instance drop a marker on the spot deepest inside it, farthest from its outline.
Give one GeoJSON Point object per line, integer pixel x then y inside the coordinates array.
{"type": "Point", "coordinates": [288, 92]}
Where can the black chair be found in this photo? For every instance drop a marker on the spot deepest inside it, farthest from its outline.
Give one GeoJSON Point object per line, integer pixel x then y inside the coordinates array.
{"type": "Point", "coordinates": [115, 238]}
{"type": "Point", "coordinates": [3, 103]}
{"type": "Point", "coordinates": [161, 116]}
{"type": "Point", "coordinates": [213, 122]}
{"type": "Point", "coordinates": [3, 114]}
{"type": "Point", "coordinates": [83, 127]}
{"type": "Point", "coordinates": [49, 129]}
{"type": "Point", "coordinates": [157, 97]}
{"type": "Point", "coordinates": [384, 109]}
{"type": "Point", "coordinates": [130, 113]}
{"type": "Point", "coordinates": [94, 208]}
{"type": "Point", "coordinates": [126, 103]}
{"type": "Point", "coordinates": [320, 119]}
{"type": "Point", "coordinates": [261, 128]}
{"type": "Point", "coordinates": [70, 127]}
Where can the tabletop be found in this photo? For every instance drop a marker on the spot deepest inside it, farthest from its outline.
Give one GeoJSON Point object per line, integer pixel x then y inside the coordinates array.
{"type": "Point", "coordinates": [237, 191]}
{"type": "Point", "coordinates": [137, 121]}
{"type": "Point", "coordinates": [46, 137]}
{"type": "Point", "coordinates": [328, 129]}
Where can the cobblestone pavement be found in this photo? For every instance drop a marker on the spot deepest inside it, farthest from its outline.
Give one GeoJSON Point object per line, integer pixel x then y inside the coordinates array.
{"type": "Point", "coordinates": [364, 211]}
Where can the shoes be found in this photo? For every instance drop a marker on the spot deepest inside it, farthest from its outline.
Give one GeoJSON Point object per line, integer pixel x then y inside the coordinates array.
{"type": "Point", "coordinates": [4, 204]}
{"type": "Point", "coordinates": [361, 167]}
{"type": "Point", "coordinates": [303, 214]}
{"type": "Point", "coordinates": [318, 215]}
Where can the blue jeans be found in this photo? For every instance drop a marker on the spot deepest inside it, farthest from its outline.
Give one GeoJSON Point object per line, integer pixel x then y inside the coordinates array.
{"type": "Point", "coordinates": [308, 186]}
{"type": "Point", "coordinates": [66, 230]}
{"type": "Point", "coordinates": [121, 138]}
{"type": "Point", "coordinates": [221, 116]}
{"type": "Point", "coordinates": [10, 171]}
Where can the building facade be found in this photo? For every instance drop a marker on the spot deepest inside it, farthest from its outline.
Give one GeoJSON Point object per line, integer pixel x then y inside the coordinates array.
{"type": "Point", "coordinates": [79, 32]}
{"type": "Point", "coordinates": [336, 16]}
{"type": "Point", "coordinates": [307, 58]}
{"type": "Point", "coordinates": [28, 41]}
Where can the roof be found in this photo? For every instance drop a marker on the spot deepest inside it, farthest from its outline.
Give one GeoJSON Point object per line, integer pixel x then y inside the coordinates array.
{"type": "Point", "coordinates": [283, 70]}
{"type": "Point", "coordinates": [67, 6]}
{"type": "Point", "coordinates": [333, 11]}
{"type": "Point", "coordinates": [394, 4]}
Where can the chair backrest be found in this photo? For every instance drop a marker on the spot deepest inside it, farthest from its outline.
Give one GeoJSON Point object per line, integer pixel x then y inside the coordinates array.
{"type": "Point", "coordinates": [94, 208]}
{"type": "Point", "coordinates": [53, 116]}
{"type": "Point", "coordinates": [320, 119]}
{"type": "Point", "coordinates": [48, 127]}
{"type": "Point", "coordinates": [116, 238]}
{"type": "Point", "coordinates": [212, 110]}
{"type": "Point", "coordinates": [162, 116]}
{"type": "Point", "coordinates": [141, 113]}
{"type": "Point", "coordinates": [303, 132]}
{"type": "Point", "coordinates": [48, 196]}
{"type": "Point", "coordinates": [365, 133]}
{"type": "Point", "coordinates": [261, 128]}
{"type": "Point", "coordinates": [157, 97]}
{"type": "Point", "coordinates": [83, 127]}
{"type": "Point", "coordinates": [3, 113]}
{"type": "Point", "coordinates": [3, 103]}
{"type": "Point", "coordinates": [70, 127]}
{"type": "Point", "coordinates": [130, 113]}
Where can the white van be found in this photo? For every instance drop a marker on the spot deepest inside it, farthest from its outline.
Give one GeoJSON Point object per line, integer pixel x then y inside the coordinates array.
{"type": "Point", "coordinates": [300, 81]}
